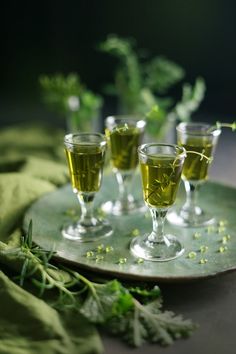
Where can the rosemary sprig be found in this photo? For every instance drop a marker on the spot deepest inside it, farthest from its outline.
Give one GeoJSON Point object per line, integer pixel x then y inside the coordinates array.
{"type": "Point", "coordinates": [133, 313]}
{"type": "Point", "coordinates": [37, 268]}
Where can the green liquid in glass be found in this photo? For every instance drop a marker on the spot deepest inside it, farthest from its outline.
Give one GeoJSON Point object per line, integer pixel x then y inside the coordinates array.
{"type": "Point", "coordinates": [85, 166]}
{"type": "Point", "coordinates": [195, 167]}
{"type": "Point", "coordinates": [124, 142]}
{"type": "Point", "coordinates": [160, 179]}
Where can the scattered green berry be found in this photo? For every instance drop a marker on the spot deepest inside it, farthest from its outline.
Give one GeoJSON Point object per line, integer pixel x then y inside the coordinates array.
{"type": "Point", "coordinates": [197, 235]}
{"type": "Point", "coordinates": [225, 239]}
{"type": "Point", "coordinates": [109, 249]}
{"type": "Point", "coordinates": [203, 261]}
{"type": "Point", "coordinates": [228, 237]}
{"type": "Point", "coordinates": [122, 260]}
{"type": "Point", "coordinates": [89, 254]}
{"type": "Point", "coordinates": [135, 232]}
{"type": "Point", "coordinates": [100, 248]}
{"type": "Point", "coordinates": [203, 249]}
{"type": "Point", "coordinates": [223, 222]}
{"type": "Point", "coordinates": [99, 258]}
{"type": "Point", "coordinates": [192, 255]}
{"type": "Point", "coordinates": [222, 249]}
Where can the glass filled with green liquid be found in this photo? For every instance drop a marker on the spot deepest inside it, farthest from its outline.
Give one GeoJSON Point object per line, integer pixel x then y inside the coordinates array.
{"type": "Point", "coordinates": [85, 153]}
{"type": "Point", "coordinates": [199, 140]}
{"type": "Point", "coordinates": [124, 134]}
{"type": "Point", "coordinates": [161, 167]}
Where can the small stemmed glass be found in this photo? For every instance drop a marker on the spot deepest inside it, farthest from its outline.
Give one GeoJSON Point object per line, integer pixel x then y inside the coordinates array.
{"type": "Point", "coordinates": [85, 154]}
{"type": "Point", "coordinates": [199, 140]}
{"type": "Point", "coordinates": [161, 167]}
{"type": "Point", "coordinates": [125, 134]}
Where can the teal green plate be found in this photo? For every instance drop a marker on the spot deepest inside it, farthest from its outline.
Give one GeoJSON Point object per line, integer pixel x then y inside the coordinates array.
{"type": "Point", "coordinates": [54, 210]}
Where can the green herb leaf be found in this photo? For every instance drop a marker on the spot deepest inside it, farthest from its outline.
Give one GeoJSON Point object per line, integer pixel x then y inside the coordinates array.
{"type": "Point", "coordinates": [148, 323]}
{"type": "Point", "coordinates": [162, 74]}
{"type": "Point", "coordinates": [106, 300]}
{"type": "Point", "coordinates": [128, 73]}
{"type": "Point", "coordinates": [191, 98]}
{"type": "Point", "coordinates": [68, 96]}
{"type": "Point", "coordinates": [146, 294]}
{"type": "Point", "coordinates": [155, 120]}
{"type": "Point", "coordinates": [110, 303]}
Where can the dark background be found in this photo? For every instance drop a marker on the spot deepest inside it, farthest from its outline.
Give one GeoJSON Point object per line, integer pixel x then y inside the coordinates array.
{"type": "Point", "coordinates": [61, 36]}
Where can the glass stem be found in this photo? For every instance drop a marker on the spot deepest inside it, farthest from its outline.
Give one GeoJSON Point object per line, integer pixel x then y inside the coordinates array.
{"type": "Point", "coordinates": [158, 220]}
{"type": "Point", "coordinates": [191, 196]}
{"type": "Point", "coordinates": [86, 204]}
{"type": "Point", "coordinates": [124, 180]}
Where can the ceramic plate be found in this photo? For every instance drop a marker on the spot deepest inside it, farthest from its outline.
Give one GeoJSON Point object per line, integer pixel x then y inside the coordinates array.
{"type": "Point", "coordinates": [54, 210]}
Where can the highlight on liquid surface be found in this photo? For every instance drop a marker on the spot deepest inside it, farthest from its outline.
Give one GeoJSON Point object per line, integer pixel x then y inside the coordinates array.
{"type": "Point", "coordinates": [160, 180]}
{"type": "Point", "coordinates": [85, 165]}
{"type": "Point", "coordinates": [124, 141]}
{"type": "Point", "coordinates": [196, 167]}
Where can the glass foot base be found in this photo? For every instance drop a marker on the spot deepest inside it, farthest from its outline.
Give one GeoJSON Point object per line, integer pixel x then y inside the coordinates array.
{"type": "Point", "coordinates": [117, 208]}
{"type": "Point", "coordinates": [180, 218]}
{"type": "Point", "coordinates": [167, 250]}
{"type": "Point", "coordinates": [81, 233]}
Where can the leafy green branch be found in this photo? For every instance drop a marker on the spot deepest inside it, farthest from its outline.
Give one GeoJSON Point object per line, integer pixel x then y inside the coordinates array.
{"type": "Point", "coordinates": [128, 74]}
{"type": "Point", "coordinates": [114, 306]}
{"type": "Point", "coordinates": [189, 103]}
{"type": "Point", "coordinates": [160, 74]}
{"type": "Point", "coordinates": [192, 96]}
{"type": "Point", "coordinates": [142, 86]}
{"type": "Point", "coordinates": [68, 97]}
{"type": "Point", "coordinates": [134, 313]}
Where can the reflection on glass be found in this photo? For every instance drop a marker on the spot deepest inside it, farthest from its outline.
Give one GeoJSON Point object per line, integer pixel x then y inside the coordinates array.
{"type": "Point", "coordinates": [85, 154]}
{"type": "Point", "coordinates": [198, 138]}
{"type": "Point", "coordinates": [125, 134]}
{"type": "Point", "coordinates": [161, 166]}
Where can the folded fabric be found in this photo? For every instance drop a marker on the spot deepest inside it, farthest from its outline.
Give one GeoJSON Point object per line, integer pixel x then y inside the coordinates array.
{"type": "Point", "coordinates": [17, 192]}
{"type": "Point", "coordinates": [32, 164]}
{"type": "Point", "coordinates": [36, 140]}
{"type": "Point", "coordinates": [28, 325]}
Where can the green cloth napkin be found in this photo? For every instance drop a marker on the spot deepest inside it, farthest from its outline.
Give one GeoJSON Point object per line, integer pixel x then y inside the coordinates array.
{"type": "Point", "coordinates": [32, 164]}
{"type": "Point", "coordinates": [28, 325]}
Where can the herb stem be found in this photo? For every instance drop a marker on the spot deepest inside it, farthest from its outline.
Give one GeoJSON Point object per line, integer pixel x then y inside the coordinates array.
{"type": "Point", "coordinates": [209, 159]}
{"type": "Point", "coordinates": [220, 125]}
{"type": "Point", "coordinates": [87, 282]}
{"type": "Point", "coordinates": [108, 303]}
{"type": "Point", "coordinates": [42, 269]}
{"type": "Point", "coordinates": [224, 125]}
